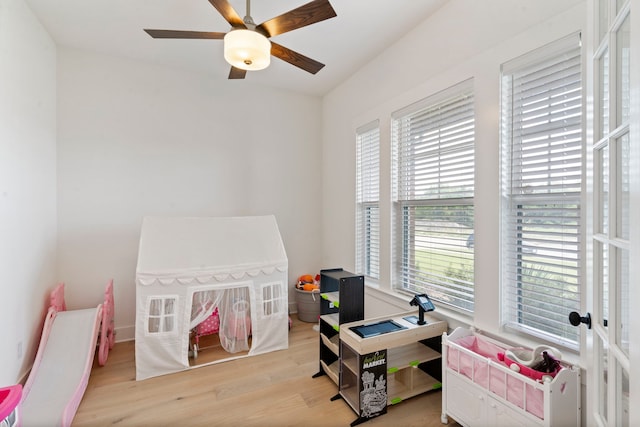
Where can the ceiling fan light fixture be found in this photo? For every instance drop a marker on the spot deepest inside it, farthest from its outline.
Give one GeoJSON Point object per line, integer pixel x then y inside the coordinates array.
{"type": "Point", "coordinates": [247, 50]}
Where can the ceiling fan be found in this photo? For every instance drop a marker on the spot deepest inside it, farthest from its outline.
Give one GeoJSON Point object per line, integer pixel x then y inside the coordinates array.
{"type": "Point", "coordinates": [247, 46]}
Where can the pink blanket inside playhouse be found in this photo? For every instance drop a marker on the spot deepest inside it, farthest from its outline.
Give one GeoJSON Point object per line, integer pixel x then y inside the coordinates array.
{"type": "Point", "coordinates": [511, 387]}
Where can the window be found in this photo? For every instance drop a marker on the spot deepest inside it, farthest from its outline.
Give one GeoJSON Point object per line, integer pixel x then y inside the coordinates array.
{"type": "Point", "coordinates": [272, 299]}
{"type": "Point", "coordinates": [162, 315]}
{"type": "Point", "coordinates": [542, 178]}
{"type": "Point", "coordinates": [433, 197]}
{"type": "Point", "coordinates": [367, 200]}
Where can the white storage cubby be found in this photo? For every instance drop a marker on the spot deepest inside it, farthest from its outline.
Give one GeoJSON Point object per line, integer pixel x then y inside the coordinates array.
{"type": "Point", "coordinates": [479, 390]}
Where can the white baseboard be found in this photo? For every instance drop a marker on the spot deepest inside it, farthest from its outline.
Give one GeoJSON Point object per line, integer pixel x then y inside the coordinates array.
{"type": "Point", "coordinates": [126, 333]}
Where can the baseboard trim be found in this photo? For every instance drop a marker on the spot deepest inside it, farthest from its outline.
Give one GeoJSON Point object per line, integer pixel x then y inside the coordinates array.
{"type": "Point", "coordinates": [125, 333]}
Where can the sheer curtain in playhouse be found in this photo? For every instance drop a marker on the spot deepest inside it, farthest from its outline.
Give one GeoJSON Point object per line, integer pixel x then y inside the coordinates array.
{"type": "Point", "coordinates": [190, 267]}
{"type": "Point", "coordinates": [234, 314]}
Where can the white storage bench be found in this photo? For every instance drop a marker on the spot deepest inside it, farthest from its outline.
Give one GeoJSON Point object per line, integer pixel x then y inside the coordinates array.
{"type": "Point", "coordinates": [480, 390]}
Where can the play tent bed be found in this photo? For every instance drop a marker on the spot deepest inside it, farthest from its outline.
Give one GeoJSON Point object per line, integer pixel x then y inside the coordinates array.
{"type": "Point", "coordinates": [188, 267]}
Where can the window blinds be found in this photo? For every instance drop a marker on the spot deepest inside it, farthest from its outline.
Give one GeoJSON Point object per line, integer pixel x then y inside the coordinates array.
{"type": "Point", "coordinates": [542, 179]}
{"type": "Point", "coordinates": [436, 150]}
{"type": "Point", "coordinates": [434, 189]}
{"type": "Point", "coordinates": [367, 200]}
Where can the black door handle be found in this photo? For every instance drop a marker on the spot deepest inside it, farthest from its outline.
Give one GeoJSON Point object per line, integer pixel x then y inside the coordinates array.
{"type": "Point", "coordinates": [575, 319]}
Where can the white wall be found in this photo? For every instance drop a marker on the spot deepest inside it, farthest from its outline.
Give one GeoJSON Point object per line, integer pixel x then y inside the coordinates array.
{"type": "Point", "coordinates": [464, 39]}
{"type": "Point", "coordinates": [27, 184]}
{"type": "Point", "coordinates": [135, 139]}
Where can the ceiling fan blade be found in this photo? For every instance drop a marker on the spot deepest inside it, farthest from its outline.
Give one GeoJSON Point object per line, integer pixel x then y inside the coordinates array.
{"type": "Point", "coordinates": [310, 13]}
{"type": "Point", "coordinates": [176, 34]}
{"type": "Point", "coordinates": [228, 12]}
{"type": "Point", "coordinates": [295, 58]}
{"type": "Point", "coordinates": [237, 73]}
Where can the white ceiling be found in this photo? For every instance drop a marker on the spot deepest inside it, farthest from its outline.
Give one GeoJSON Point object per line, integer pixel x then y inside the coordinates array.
{"type": "Point", "coordinates": [362, 29]}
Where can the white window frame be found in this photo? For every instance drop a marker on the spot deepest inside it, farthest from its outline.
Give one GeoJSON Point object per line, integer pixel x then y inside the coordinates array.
{"type": "Point", "coordinates": [273, 304]}
{"type": "Point", "coordinates": [163, 317]}
{"type": "Point", "coordinates": [434, 175]}
{"type": "Point", "coordinates": [368, 200]}
{"type": "Point", "coordinates": [542, 150]}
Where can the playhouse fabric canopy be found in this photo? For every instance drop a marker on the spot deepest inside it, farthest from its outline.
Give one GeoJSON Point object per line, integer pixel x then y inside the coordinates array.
{"type": "Point", "coordinates": [189, 249]}
{"type": "Point", "coordinates": [189, 266]}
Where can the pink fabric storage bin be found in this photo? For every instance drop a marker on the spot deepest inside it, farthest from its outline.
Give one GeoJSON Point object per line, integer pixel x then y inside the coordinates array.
{"type": "Point", "coordinates": [485, 369]}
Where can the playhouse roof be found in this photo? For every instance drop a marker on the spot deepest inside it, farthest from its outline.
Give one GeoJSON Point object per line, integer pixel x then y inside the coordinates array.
{"type": "Point", "coordinates": [187, 249]}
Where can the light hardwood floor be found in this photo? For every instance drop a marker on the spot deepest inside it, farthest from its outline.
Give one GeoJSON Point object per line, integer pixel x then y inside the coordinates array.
{"type": "Point", "coordinates": [273, 389]}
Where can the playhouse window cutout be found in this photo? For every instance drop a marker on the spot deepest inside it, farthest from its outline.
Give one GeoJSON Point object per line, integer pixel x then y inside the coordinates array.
{"type": "Point", "coordinates": [162, 314]}
{"type": "Point", "coordinates": [272, 299]}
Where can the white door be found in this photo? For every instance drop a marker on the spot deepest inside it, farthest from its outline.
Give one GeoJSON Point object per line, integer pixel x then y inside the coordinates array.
{"type": "Point", "coordinates": [613, 188]}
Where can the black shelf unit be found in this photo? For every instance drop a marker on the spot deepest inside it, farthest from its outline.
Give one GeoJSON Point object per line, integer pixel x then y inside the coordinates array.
{"type": "Point", "coordinates": [342, 301]}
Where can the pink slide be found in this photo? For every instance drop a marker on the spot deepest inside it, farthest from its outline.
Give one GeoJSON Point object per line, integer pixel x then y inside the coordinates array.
{"type": "Point", "coordinates": [61, 369]}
